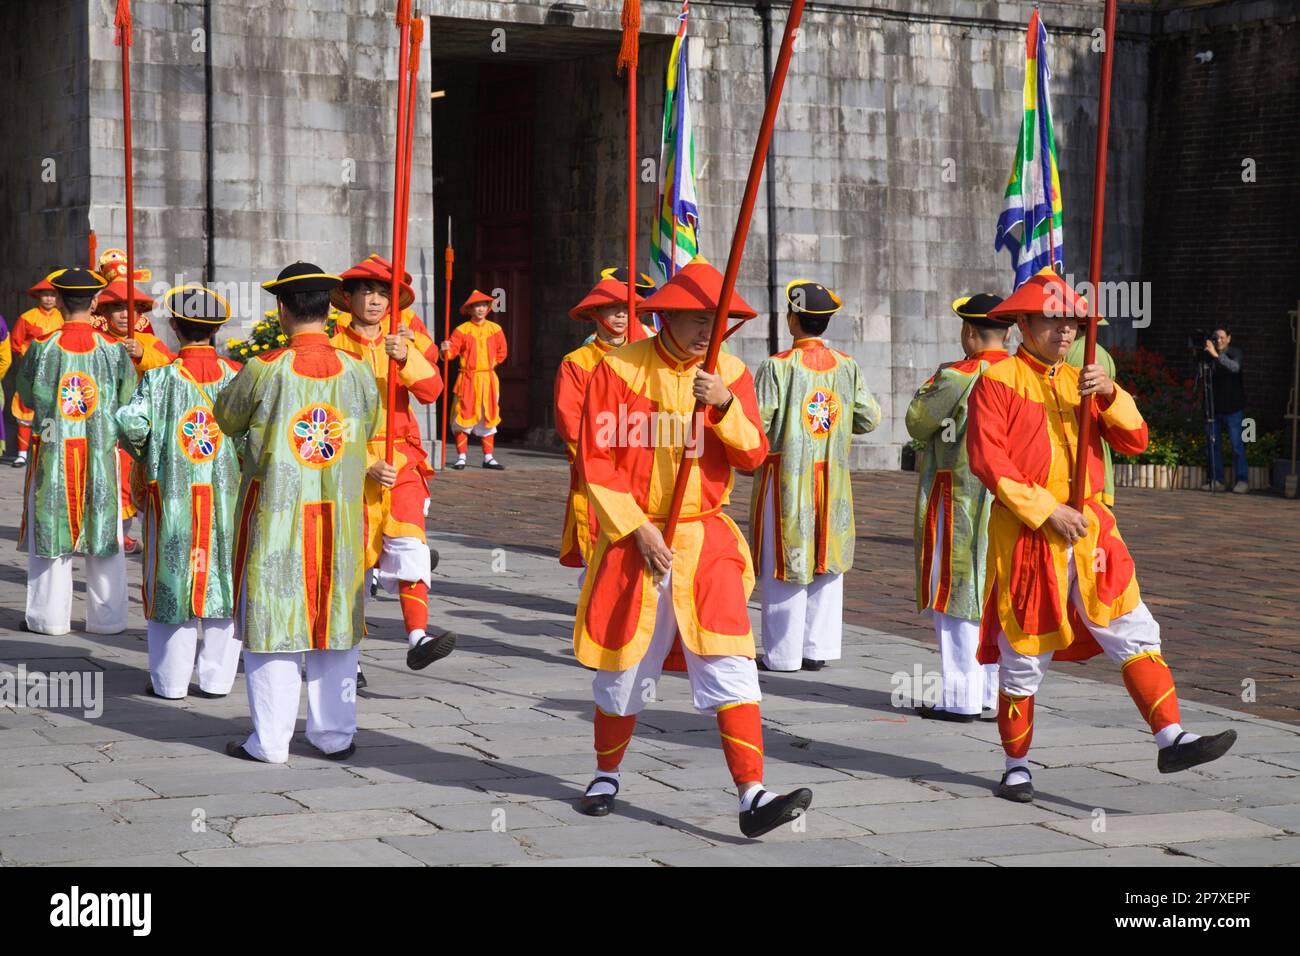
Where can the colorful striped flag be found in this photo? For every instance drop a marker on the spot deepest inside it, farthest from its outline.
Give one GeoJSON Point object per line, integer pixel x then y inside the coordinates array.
{"type": "Point", "coordinates": [1033, 197]}
{"type": "Point", "coordinates": [679, 213]}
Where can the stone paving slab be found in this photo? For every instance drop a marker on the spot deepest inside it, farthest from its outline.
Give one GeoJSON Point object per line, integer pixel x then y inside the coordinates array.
{"type": "Point", "coordinates": [479, 759]}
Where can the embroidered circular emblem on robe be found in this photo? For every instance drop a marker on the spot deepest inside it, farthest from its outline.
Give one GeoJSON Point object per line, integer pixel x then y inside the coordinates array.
{"type": "Point", "coordinates": [198, 435]}
{"type": "Point", "coordinates": [316, 434]}
{"type": "Point", "coordinates": [77, 395]}
{"type": "Point", "coordinates": [821, 410]}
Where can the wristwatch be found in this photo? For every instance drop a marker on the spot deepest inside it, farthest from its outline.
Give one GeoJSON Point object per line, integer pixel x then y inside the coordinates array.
{"type": "Point", "coordinates": [722, 409]}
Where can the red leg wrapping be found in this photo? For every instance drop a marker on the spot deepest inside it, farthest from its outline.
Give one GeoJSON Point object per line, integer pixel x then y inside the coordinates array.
{"type": "Point", "coordinates": [741, 727]}
{"type": "Point", "coordinates": [613, 734]}
{"type": "Point", "coordinates": [1015, 724]}
{"type": "Point", "coordinates": [1150, 683]}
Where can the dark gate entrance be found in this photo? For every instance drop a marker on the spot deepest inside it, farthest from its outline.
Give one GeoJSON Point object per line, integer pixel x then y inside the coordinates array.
{"type": "Point", "coordinates": [503, 238]}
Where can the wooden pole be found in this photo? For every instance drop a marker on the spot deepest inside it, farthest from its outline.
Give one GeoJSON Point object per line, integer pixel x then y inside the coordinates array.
{"type": "Point", "coordinates": [449, 257]}
{"type": "Point", "coordinates": [628, 55]}
{"type": "Point", "coordinates": [122, 23]}
{"type": "Point", "coordinates": [400, 174]}
{"type": "Point", "coordinates": [1094, 261]}
{"type": "Point", "coordinates": [743, 219]}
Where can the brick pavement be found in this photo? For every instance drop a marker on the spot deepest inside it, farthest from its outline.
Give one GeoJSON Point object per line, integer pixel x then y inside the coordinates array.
{"type": "Point", "coordinates": [478, 759]}
{"type": "Point", "coordinates": [1220, 572]}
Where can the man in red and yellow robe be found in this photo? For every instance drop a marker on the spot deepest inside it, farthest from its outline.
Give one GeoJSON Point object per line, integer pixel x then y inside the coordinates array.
{"type": "Point", "coordinates": [147, 352]}
{"type": "Point", "coordinates": [645, 606]}
{"type": "Point", "coordinates": [36, 323]}
{"type": "Point", "coordinates": [397, 495]}
{"type": "Point", "coordinates": [480, 344]}
{"type": "Point", "coordinates": [1060, 582]}
{"type": "Point", "coordinates": [606, 306]}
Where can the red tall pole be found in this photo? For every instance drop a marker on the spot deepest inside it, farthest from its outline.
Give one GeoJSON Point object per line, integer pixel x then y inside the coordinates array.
{"type": "Point", "coordinates": [448, 258]}
{"type": "Point", "coordinates": [628, 55]}
{"type": "Point", "coordinates": [738, 243]}
{"type": "Point", "coordinates": [400, 174]}
{"type": "Point", "coordinates": [1094, 261]}
{"type": "Point", "coordinates": [122, 23]}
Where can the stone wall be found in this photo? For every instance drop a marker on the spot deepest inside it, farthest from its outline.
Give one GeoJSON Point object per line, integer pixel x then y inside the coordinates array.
{"type": "Point", "coordinates": [302, 116]}
{"type": "Point", "coordinates": [878, 100]}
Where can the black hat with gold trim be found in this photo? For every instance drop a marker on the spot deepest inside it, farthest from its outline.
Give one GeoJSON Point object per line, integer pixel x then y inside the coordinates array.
{"type": "Point", "coordinates": [195, 303]}
{"type": "Point", "coordinates": [811, 298]}
{"type": "Point", "coordinates": [301, 277]}
{"type": "Point", "coordinates": [644, 284]}
{"type": "Point", "coordinates": [975, 310]}
{"type": "Point", "coordinates": [77, 281]}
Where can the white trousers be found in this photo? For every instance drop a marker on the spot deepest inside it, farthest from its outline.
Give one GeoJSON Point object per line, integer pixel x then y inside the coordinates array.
{"type": "Point", "coordinates": [1126, 636]}
{"type": "Point", "coordinates": [968, 685]}
{"type": "Point", "coordinates": [715, 680]}
{"type": "Point", "coordinates": [275, 687]}
{"type": "Point", "coordinates": [799, 620]}
{"type": "Point", "coordinates": [172, 652]}
{"type": "Point", "coordinates": [403, 559]}
{"type": "Point", "coordinates": [49, 587]}
{"type": "Point", "coordinates": [479, 428]}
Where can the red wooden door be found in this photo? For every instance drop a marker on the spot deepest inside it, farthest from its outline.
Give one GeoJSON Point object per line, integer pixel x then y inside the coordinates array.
{"type": "Point", "coordinates": [503, 239]}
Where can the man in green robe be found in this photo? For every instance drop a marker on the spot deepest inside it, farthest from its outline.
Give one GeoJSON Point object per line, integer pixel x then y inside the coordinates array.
{"type": "Point", "coordinates": [952, 516]}
{"type": "Point", "coordinates": [812, 400]}
{"type": "Point", "coordinates": [74, 380]}
{"type": "Point", "coordinates": [306, 411]}
{"type": "Point", "coordinates": [191, 481]}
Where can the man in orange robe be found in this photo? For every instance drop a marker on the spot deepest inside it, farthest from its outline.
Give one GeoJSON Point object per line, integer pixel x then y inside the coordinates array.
{"type": "Point", "coordinates": [36, 323]}
{"type": "Point", "coordinates": [1061, 583]}
{"type": "Point", "coordinates": [480, 344]}
{"type": "Point", "coordinates": [147, 352]}
{"type": "Point", "coordinates": [645, 606]}
{"type": "Point", "coordinates": [397, 495]}
{"type": "Point", "coordinates": [606, 306]}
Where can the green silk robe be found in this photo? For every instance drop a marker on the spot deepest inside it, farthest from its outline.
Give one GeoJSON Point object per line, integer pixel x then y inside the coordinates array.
{"type": "Point", "coordinates": [307, 411]}
{"type": "Point", "coordinates": [74, 380]}
{"type": "Point", "coordinates": [191, 485]}
{"type": "Point", "coordinates": [952, 505]}
{"type": "Point", "coordinates": [804, 394]}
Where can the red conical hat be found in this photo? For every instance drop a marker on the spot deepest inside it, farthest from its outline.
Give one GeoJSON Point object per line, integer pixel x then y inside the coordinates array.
{"type": "Point", "coordinates": [115, 293]}
{"type": "Point", "coordinates": [695, 288]}
{"type": "Point", "coordinates": [475, 298]}
{"type": "Point", "coordinates": [377, 269]}
{"type": "Point", "coordinates": [1045, 293]}
{"type": "Point", "coordinates": [43, 286]}
{"type": "Point", "coordinates": [604, 292]}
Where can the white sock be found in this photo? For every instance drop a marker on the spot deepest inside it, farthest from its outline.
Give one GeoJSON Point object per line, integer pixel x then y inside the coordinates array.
{"type": "Point", "coordinates": [488, 458]}
{"type": "Point", "coordinates": [1166, 736]}
{"type": "Point", "coordinates": [1017, 770]}
{"type": "Point", "coordinates": [22, 456]}
{"type": "Point", "coordinates": [415, 637]}
{"type": "Point", "coordinates": [756, 797]}
{"type": "Point", "coordinates": [461, 459]}
{"type": "Point", "coordinates": [601, 787]}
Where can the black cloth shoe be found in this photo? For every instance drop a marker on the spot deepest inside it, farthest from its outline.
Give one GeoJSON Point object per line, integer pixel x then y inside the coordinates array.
{"type": "Point", "coordinates": [374, 588]}
{"type": "Point", "coordinates": [1016, 792]}
{"type": "Point", "coordinates": [600, 804]}
{"type": "Point", "coordinates": [208, 695]}
{"type": "Point", "coordinates": [494, 465]}
{"type": "Point", "coordinates": [458, 465]}
{"type": "Point", "coordinates": [780, 810]}
{"type": "Point", "coordinates": [1178, 756]}
{"type": "Point", "coordinates": [361, 679]}
{"type": "Point", "coordinates": [430, 649]}
{"type": "Point", "coordinates": [150, 692]}
{"type": "Point", "coordinates": [18, 463]}
{"type": "Point", "coordinates": [811, 665]}
{"type": "Point", "coordinates": [927, 712]}
{"type": "Point", "coordinates": [761, 664]}
{"type": "Point", "coordinates": [433, 558]}
{"type": "Point", "coordinates": [343, 754]}
{"type": "Point", "coordinates": [236, 749]}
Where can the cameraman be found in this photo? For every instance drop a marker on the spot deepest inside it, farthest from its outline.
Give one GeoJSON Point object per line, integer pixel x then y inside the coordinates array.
{"type": "Point", "coordinates": [1229, 402]}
